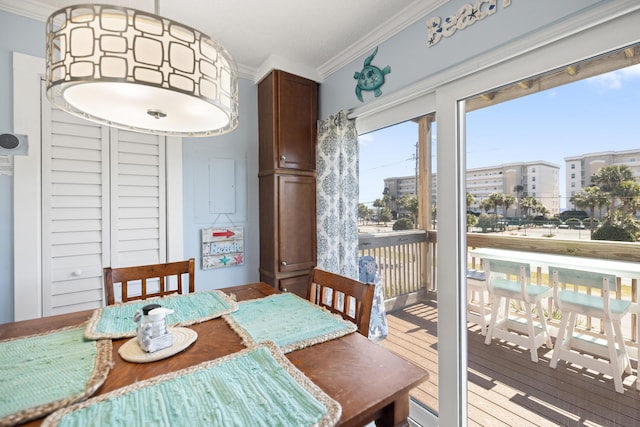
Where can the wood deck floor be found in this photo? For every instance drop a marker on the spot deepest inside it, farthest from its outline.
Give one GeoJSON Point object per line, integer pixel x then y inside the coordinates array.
{"type": "Point", "coordinates": [505, 387]}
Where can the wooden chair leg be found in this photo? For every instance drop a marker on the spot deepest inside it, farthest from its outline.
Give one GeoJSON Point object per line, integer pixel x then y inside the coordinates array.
{"type": "Point", "coordinates": [568, 341]}
{"type": "Point", "coordinates": [483, 312]}
{"type": "Point", "coordinates": [613, 356]}
{"type": "Point", "coordinates": [531, 330]}
{"type": "Point", "coordinates": [495, 304]}
{"type": "Point", "coordinates": [506, 309]}
{"type": "Point", "coordinates": [617, 328]}
{"type": "Point", "coordinates": [562, 330]}
{"type": "Point", "coordinates": [543, 323]}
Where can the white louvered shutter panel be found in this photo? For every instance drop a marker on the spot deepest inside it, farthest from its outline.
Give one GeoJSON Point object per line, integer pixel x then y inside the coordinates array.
{"type": "Point", "coordinates": [138, 210]}
{"type": "Point", "coordinates": [75, 212]}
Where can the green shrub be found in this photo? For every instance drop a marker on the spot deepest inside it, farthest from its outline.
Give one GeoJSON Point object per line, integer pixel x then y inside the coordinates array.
{"type": "Point", "coordinates": [485, 222]}
{"type": "Point", "coordinates": [611, 232]}
{"type": "Point", "coordinates": [471, 220]}
{"type": "Point", "coordinates": [403, 224]}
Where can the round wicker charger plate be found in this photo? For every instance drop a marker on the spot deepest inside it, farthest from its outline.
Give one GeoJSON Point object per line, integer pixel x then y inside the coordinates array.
{"type": "Point", "coordinates": [182, 338]}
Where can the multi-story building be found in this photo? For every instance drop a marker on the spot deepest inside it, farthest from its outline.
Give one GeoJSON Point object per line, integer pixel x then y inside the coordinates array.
{"type": "Point", "coordinates": [538, 179]}
{"type": "Point", "coordinates": [398, 187]}
{"type": "Point", "coordinates": [580, 169]}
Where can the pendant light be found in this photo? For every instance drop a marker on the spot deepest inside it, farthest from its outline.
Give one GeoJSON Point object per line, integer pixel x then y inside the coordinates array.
{"type": "Point", "coordinates": [135, 70]}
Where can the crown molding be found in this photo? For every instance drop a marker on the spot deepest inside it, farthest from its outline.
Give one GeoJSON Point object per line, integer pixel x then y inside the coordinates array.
{"type": "Point", "coordinates": [275, 62]}
{"type": "Point", "coordinates": [396, 23]}
{"type": "Point", "coordinates": [28, 8]}
{"type": "Point", "coordinates": [247, 72]}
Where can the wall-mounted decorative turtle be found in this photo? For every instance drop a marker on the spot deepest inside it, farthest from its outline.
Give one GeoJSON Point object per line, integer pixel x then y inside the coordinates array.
{"type": "Point", "coordinates": [371, 78]}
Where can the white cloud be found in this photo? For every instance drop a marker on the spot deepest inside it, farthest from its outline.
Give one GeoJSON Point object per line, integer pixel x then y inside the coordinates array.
{"type": "Point", "coordinates": [615, 79]}
{"type": "Point", "coordinates": [366, 139]}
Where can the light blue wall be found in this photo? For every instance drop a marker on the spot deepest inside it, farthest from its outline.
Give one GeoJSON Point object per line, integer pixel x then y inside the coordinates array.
{"type": "Point", "coordinates": [241, 146]}
{"type": "Point", "coordinates": [26, 36]}
{"type": "Point", "coordinates": [411, 60]}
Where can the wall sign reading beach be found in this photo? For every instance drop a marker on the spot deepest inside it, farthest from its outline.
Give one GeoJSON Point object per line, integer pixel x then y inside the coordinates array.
{"type": "Point", "coordinates": [222, 247]}
{"type": "Point", "coordinates": [467, 15]}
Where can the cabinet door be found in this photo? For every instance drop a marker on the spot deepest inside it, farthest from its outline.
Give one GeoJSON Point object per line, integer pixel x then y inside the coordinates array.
{"type": "Point", "coordinates": [296, 122]}
{"type": "Point", "coordinates": [296, 222]}
{"type": "Point", "coordinates": [297, 285]}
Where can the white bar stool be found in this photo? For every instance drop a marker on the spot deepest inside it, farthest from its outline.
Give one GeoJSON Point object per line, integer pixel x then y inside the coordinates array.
{"type": "Point", "coordinates": [478, 309]}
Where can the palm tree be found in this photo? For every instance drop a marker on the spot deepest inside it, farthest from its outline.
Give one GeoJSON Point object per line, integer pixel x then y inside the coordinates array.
{"type": "Point", "coordinates": [471, 219]}
{"type": "Point", "coordinates": [388, 200]}
{"type": "Point", "coordinates": [410, 204]}
{"type": "Point", "coordinates": [497, 199]}
{"type": "Point", "coordinates": [363, 212]}
{"type": "Point", "coordinates": [470, 199]}
{"type": "Point", "coordinates": [379, 204]}
{"type": "Point", "coordinates": [542, 209]}
{"type": "Point", "coordinates": [385, 215]}
{"type": "Point", "coordinates": [528, 203]}
{"type": "Point", "coordinates": [590, 198]}
{"type": "Point", "coordinates": [486, 205]}
{"type": "Point", "coordinates": [507, 202]}
{"type": "Point", "coordinates": [518, 189]}
{"type": "Point", "coordinates": [609, 179]}
{"type": "Point", "coordinates": [628, 192]}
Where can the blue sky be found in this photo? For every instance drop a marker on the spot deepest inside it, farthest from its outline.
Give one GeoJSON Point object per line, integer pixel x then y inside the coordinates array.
{"type": "Point", "coordinates": [592, 115]}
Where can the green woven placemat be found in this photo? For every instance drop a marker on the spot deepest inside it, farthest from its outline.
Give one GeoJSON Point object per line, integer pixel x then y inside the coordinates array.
{"type": "Point", "coordinates": [116, 321]}
{"type": "Point", "coordinates": [44, 372]}
{"type": "Point", "coordinates": [254, 387]}
{"type": "Point", "coordinates": [288, 320]}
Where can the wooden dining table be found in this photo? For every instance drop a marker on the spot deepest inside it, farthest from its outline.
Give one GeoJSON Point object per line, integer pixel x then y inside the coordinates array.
{"type": "Point", "coordinates": [370, 382]}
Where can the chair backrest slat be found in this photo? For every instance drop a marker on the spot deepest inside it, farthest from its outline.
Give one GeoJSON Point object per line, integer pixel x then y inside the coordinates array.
{"type": "Point", "coordinates": [144, 273]}
{"type": "Point", "coordinates": [511, 268]}
{"type": "Point", "coordinates": [343, 289]}
{"type": "Point", "coordinates": [590, 279]}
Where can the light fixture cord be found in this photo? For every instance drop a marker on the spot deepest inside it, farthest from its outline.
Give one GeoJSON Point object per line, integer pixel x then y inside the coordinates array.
{"type": "Point", "coordinates": [156, 7]}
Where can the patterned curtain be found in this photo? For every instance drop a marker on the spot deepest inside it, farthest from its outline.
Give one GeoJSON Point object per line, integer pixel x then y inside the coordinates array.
{"type": "Point", "coordinates": [337, 195]}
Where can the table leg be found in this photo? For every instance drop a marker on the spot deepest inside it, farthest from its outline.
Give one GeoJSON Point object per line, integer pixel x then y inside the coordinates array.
{"type": "Point", "coordinates": [395, 414]}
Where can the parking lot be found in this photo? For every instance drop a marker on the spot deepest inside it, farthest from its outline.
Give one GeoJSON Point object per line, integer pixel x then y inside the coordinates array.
{"type": "Point", "coordinates": [548, 232]}
{"type": "Point", "coordinates": [551, 233]}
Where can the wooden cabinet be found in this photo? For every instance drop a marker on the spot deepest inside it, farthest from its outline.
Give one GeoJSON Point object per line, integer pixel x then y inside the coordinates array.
{"type": "Point", "coordinates": [287, 111]}
{"type": "Point", "coordinates": [287, 179]}
{"type": "Point", "coordinates": [297, 285]}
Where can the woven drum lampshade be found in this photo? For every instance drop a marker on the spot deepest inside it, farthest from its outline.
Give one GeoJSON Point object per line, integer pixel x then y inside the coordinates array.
{"type": "Point", "coordinates": [135, 70]}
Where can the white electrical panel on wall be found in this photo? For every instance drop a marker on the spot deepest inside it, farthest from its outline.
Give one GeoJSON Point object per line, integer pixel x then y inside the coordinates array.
{"type": "Point", "coordinates": [222, 186]}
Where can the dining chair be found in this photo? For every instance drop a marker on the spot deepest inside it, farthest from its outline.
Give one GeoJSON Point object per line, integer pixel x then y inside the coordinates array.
{"type": "Point", "coordinates": [478, 309]}
{"type": "Point", "coordinates": [511, 281]}
{"type": "Point", "coordinates": [349, 298]}
{"type": "Point", "coordinates": [154, 280]}
{"type": "Point", "coordinates": [590, 295]}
